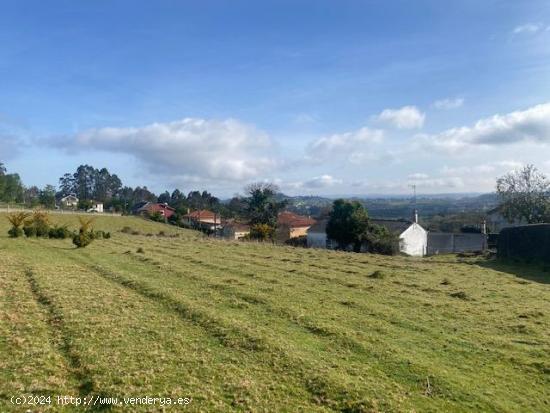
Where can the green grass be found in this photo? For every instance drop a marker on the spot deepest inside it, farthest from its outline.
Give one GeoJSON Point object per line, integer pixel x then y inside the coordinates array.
{"type": "Point", "coordinates": [252, 327]}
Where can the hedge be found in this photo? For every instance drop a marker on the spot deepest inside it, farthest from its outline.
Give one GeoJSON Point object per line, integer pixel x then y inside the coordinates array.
{"type": "Point", "coordinates": [528, 242]}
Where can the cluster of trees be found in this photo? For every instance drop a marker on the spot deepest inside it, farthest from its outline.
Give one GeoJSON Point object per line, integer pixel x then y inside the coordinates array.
{"type": "Point", "coordinates": [350, 227]}
{"type": "Point", "coordinates": [525, 195]}
{"type": "Point", "coordinates": [11, 188]}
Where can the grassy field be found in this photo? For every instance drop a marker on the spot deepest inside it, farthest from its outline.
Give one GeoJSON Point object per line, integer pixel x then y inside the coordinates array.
{"type": "Point", "coordinates": [251, 327]}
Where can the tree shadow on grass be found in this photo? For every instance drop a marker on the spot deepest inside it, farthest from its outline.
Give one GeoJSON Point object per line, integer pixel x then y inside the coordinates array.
{"type": "Point", "coordinates": [537, 272]}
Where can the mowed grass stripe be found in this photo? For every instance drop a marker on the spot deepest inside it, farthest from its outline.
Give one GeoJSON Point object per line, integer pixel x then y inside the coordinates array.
{"type": "Point", "coordinates": [396, 369]}
{"type": "Point", "coordinates": [241, 377]}
{"type": "Point", "coordinates": [240, 335]}
{"type": "Point", "coordinates": [486, 352]}
{"type": "Point", "coordinates": [29, 358]}
{"type": "Point", "coordinates": [460, 350]}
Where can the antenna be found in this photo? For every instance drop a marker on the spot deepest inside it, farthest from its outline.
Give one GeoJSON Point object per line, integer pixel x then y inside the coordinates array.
{"type": "Point", "coordinates": [413, 186]}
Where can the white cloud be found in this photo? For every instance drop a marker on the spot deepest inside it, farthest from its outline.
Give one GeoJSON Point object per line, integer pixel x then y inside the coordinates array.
{"type": "Point", "coordinates": [322, 181]}
{"type": "Point", "coordinates": [407, 117]}
{"type": "Point", "coordinates": [531, 125]}
{"type": "Point", "coordinates": [418, 176]}
{"type": "Point", "coordinates": [528, 28]}
{"type": "Point", "coordinates": [424, 181]}
{"type": "Point", "coordinates": [190, 149]}
{"type": "Point", "coordinates": [344, 144]}
{"type": "Point", "coordinates": [446, 104]}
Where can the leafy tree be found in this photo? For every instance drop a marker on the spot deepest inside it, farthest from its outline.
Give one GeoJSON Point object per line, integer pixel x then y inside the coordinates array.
{"type": "Point", "coordinates": [47, 196]}
{"type": "Point", "coordinates": [164, 198]}
{"type": "Point", "coordinates": [31, 196]}
{"type": "Point", "coordinates": [262, 207]}
{"type": "Point", "coordinates": [348, 222]}
{"type": "Point", "coordinates": [525, 195]}
{"type": "Point", "coordinates": [2, 169]}
{"type": "Point", "coordinates": [262, 232]}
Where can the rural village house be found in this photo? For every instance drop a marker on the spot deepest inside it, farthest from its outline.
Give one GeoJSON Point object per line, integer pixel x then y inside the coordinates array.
{"type": "Point", "coordinates": [152, 207]}
{"type": "Point", "coordinates": [235, 230]}
{"type": "Point", "coordinates": [413, 239]}
{"type": "Point", "coordinates": [203, 218]}
{"type": "Point", "coordinates": [291, 225]}
{"type": "Point", "coordinates": [69, 201]}
{"type": "Point", "coordinates": [96, 207]}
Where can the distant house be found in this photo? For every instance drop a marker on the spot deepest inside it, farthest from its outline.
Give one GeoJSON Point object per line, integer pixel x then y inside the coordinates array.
{"type": "Point", "coordinates": [203, 218]}
{"type": "Point", "coordinates": [144, 208]}
{"type": "Point", "coordinates": [96, 207]}
{"type": "Point", "coordinates": [235, 230]}
{"type": "Point", "coordinates": [496, 221]}
{"type": "Point", "coordinates": [69, 201]}
{"type": "Point", "coordinates": [291, 225]}
{"type": "Point", "coordinates": [413, 239]}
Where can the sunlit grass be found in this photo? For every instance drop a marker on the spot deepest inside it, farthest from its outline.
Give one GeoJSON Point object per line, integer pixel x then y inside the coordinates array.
{"type": "Point", "coordinates": [254, 327]}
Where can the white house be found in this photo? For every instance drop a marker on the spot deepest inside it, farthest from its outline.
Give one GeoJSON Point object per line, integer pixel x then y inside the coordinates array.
{"type": "Point", "coordinates": [69, 201]}
{"type": "Point", "coordinates": [413, 239]}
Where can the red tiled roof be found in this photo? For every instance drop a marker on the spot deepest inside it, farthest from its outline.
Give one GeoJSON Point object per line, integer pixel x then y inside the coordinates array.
{"type": "Point", "coordinates": [294, 220]}
{"type": "Point", "coordinates": [202, 214]}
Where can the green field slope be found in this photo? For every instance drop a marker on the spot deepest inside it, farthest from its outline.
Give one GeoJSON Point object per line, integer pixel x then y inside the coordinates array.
{"type": "Point", "coordinates": [251, 327]}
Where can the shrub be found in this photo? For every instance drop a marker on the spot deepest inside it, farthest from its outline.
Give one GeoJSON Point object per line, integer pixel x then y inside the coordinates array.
{"type": "Point", "coordinates": [106, 235]}
{"type": "Point", "coordinates": [140, 251]}
{"type": "Point", "coordinates": [85, 234]}
{"type": "Point", "coordinates": [29, 230]}
{"type": "Point", "coordinates": [82, 240]}
{"type": "Point", "coordinates": [15, 232]}
{"type": "Point", "coordinates": [380, 240]}
{"type": "Point", "coordinates": [377, 275]}
{"type": "Point", "coordinates": [262, 232]}
{"type": "Point", "coordinates": [16, 219]}
{"type": "Point", "coordinates": [59, 232]}
{"type": "Point", "coordinates": [126, 230]}
{"type": "Point", "coordinates": [297, 241]}
{"type": "Point", "coordinates": [38, 225]}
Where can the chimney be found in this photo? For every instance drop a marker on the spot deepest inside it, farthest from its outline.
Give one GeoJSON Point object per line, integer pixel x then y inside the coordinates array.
{"type": "Point", "coordinates": [415, 216]}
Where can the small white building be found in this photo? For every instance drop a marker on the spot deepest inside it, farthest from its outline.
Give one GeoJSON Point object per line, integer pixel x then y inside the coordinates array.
{"type": "Point", "coordinates": [96, 207]}
{"type": "Point", "coordinates": [413, 239]}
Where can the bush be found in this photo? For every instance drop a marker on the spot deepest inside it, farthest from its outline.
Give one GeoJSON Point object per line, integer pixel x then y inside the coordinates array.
{"type": "Point", "coordinates": [15, 232]}
{"type": "Point", "coordinates": [126, 230]}
{"type": "Point", "coordinates": [297, 241]}
{"type": "Point", "coordinates": [16, 219]}
{"type": "Point", "coordinates": [29, 230]}
{"type": "Point", "coordinates": [262, 232]}
{"type": "Point", "coordinates": [82, 239]}
{"type": "Point", "coordinates": [38, 225]}
{"type": "Point", "coordinates": [85, 234]}
{"type": "Point", "coordinates": [381, 241]}
{"type": "Point", "coordinates": [59, 232]}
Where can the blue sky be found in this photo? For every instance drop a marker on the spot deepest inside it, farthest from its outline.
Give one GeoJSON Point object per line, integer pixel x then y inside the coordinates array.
{"type": "Point", "coordinates": [322, 97]}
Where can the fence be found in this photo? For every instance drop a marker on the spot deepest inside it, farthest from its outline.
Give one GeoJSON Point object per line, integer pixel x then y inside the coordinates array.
{"type": "Point", "coordinates": [527, 242]}
{"type": "Point", "coordinates": [20, 208]}
{"type": "Point", "coordinates": [450, 243]}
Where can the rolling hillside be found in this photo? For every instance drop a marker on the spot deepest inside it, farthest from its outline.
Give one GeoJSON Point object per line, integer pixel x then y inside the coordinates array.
{"type": "Point", "coordinates": [251, 327]}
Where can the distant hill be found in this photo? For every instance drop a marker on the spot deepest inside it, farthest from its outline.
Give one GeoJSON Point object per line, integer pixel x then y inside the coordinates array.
{"type": "Point", "coordinates": [394, 206]}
